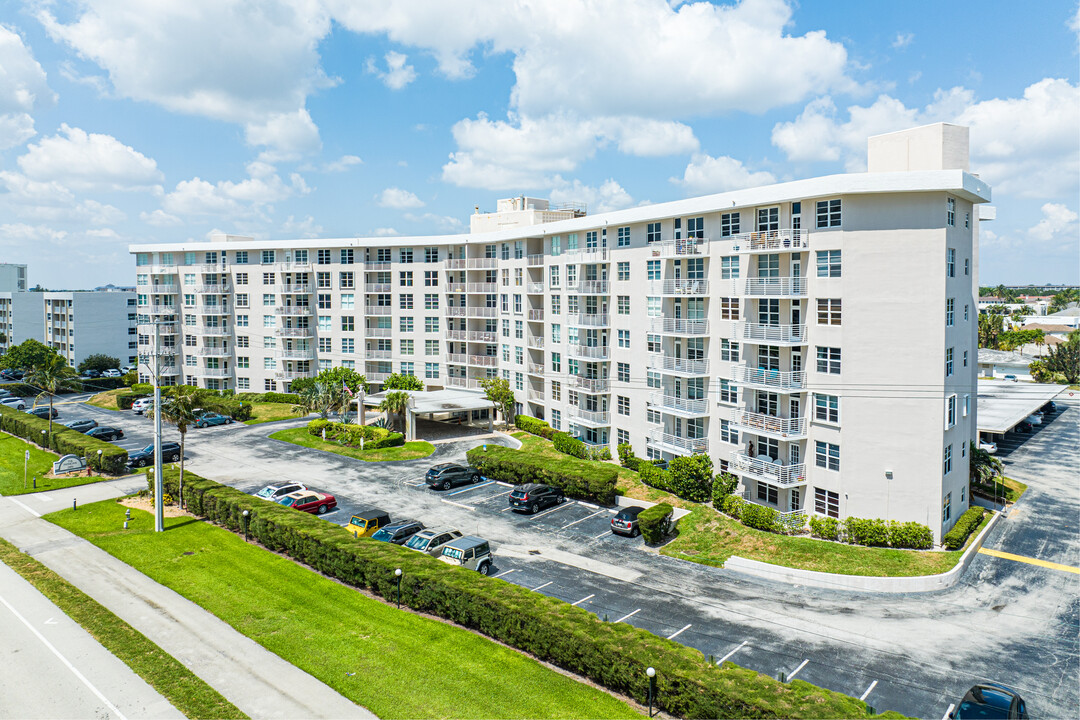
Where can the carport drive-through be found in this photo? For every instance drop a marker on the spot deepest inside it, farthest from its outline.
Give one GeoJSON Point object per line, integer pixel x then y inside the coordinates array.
{"type": "Point", "coordinates": [432, 403]}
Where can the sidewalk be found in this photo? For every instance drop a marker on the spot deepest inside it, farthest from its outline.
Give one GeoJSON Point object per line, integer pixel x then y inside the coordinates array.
{"type": "Point", "coordinates": [257, 681]}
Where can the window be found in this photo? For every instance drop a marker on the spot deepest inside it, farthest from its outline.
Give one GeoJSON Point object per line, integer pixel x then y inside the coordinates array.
{"type": "Point", "coordinates": [950, 262]}
{"type": "Point", "coordinates": [653, 344]}
{"type": "Point", "coordinates": [268, 363]}
{"type": "Point", "coordinates": [241, 257]}
{"type": "Point", "coordinates": [623, 269]}
{"type": "Point", "coordinates": [729, 351]}
{"type": "Point", "coordinates": [407, 368]}
{"type": "Point", "coordinates": [431, 347]}
{"type": "Point", "coordinates": [729, 267]}
{"type": "Point", "coordinates": [826, 502]}
{"type": "Point", "coordinates": [241, 300]}
{"type": "Point", "coordinates": [556, 390]}
{"type": "Point", "coordinates": [653, 417]}
{"type": "Point", "coordinates": [652, 232]}
{"type": "Point", "coordinates": [241, 278]}
{"type": "Point", "coordinates": [622, 372]}
{"type": "Point", "coordinates": [946, 507]}
{"type": "Point", "coordinates": [623, 405]}
{"type": "Point", "coordinates": [408, 347]}
{"type": "Point", "coordinates": [324, 301]}
{"type": "Point", "coordinates": [324, 345]}
{"type": "Point", "coordinates": [405, 255]}
{"type": "Point", "coordinates": [269, 300]}
{"type": "Point", "coordinates": [405, 278]}
{"type": "Point", "coordinates": [431, 278]}
{"type": "Point", "coordinates": [950, 312]}
{"type": "Point", "coordinates": [431, 324]}
{"type": "Point", "coordinates": [828, 360]}
{"type": "Point", "coordinates": [828, 263]}
{"type": "Point", "coordinates": [322, 257]}
{"type": "Point", "coordinates": [826, 408]}
{"type": "Point", "coordinates": [828, 311]}
{"type": "Point", "coordinates": [653, 269]}
{"type": "Point", "coordinates": [623, 305]}
{"type": "Point", "coordinates": [243, 362]}
{"type": "Point", "coordinates": [729, 224]}
{"type": "Point", "coordinates": [519, 329]}
{"type": "Point", "coordinates": [624, 338]}
{"type": "Point", "coordinates": [828, 213]}
{"type": "Point", "coordinates": [965, 313]}
{"type": "Point", "coordinates": [322, 280]}
{"type": "Point", "coordinates": [431, 255]}
{"type": "Point", "coordinates": [556, 362]}
{"type": "Point", "coordinates": [346, 256]}
{"type": "Point", "coordinates": [948, 362]}
{"type": "Point", "coordinates": [653, 380]}
{"type": "Point", "coordinates": [727, 433]}
{"type": "Point", "coordinates": [348, 346]}
{"type": "Point", "coordinates": [348, 301]}
{"type": "Point", "coordinates": [654, 306]}
{"type": "Point", "coordinates": [950, 212]}
{"type": "Point", "coordinates": [431, 370]}
{"type": "Point", "coordinates": [267, 256]}
{"type": "Point", "coordinates": [624, 237]}
{"type": "Point", "coordinates": [622, 436]}
{"type": "Point", "coordinates": [728, 392]}
{"type": "Point", "coordinates": [242, 341]}
{"type": "Point", "coordinates": [767, 493]}
{"type": "Point", "coordinates": [965, 358]}
{"type": "Point", "coordinates": [325, 323]}
{"type": "Point", "coordinates": [950, 411]}
{"type": "Point", "coordinates": [556, 419]}
{"type": "Point", "coordinates": [796, 215]}
{"type": "Point", "coordinates": [967, 405]}
{"type": "Point", "coordinates": [269, 321]}
{"type": "Point", "coordinates": [827, 455]}
{"type": "Point", "coordinates": [405, 302]}
{"type": "Point", "coordinates": [431, 301]}
{"type": "Point", "coordinates": [519, 356]}
{"type": "Point", "coordinates": [967, 266]}
{"type": "Point", "coordinates": [268, 278]}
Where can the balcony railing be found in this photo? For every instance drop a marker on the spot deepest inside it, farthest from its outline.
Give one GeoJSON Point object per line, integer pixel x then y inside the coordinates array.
{"type": "Point", "coordinates": [209, 310]}
{"type": "Point", "coordinates": [377, 310]}
{"type": "Point", "coordinates": [378, 354]}
{"type": "Point", "coordinates": [294, 332]}
{"type": "Point", "coordinates": [590, 417]}
{"type": "Point", "coordinates": [765, 469]}
{"type": "Point", "coordinates": [160, 289]}
{"type": "Point", "coordinates": [775, 287]}
{"type": "Point", "coordinates": [377, 287]}
{"type": "Point", "coordinates": [214, 352]}
{"type": "Point", "coordinates": [471, 383]}
{"type": "Point", "coordinates": [170, 370]}
{"type": "Point", "coordinates": [378, 332]}
{"type": "Point", "coordinates": [536, 315]}
{"type": "Point", "coordinates": [207, 331]}
{"type": "Point", "coordinates": [768, 379]}
{"type": "Point", "coordinates": [457, 358]}
{"type": "Point", "coordinates": [534, 260]}
{"type": "Point", "coordinates": [592, 319]}
{"type": "Point", "coordinates": [205, 268]}
{"type": "Point", "coordinates": [592, 385]}
{"type": "Point", "coordinates": [483, 360]}
{"type": "Point", "coordinates": [536, 395]}
{"type": "Point", "coordinates": [589, 287]}
{"type": "Point", "coordinates": [294, 265]}
{"type": "Point", "coordinates": [485, 263]}
{"type": "Point", "coordinates": [680, 366]}
{"type": "Point", "coordinates": [535, 341]}
{"type": "Point", "coordinates": [586, 255]}
{"type": "Point", "coordinates": [295, 354]}
{"type": "Point", "coordinates": [218, 288]}
{"type": "Point", "coordinates": [773, 334]}
{"type": "Point", "coordinates": [160, 309]}
{"type": "Point", "coordinates": [683, 406]}
{"type": "Point", "coordinates": [681, 247]}
{"type": "Point", "coordinates": [485, 288]}
{"type": "Point", "coordinates": [484, 312]}
{"type": "Point", "coordinates": [762, 424]}
{"type": "Point", "coordinates": [376, 376]}
{"type": "Point", "coordinates": [456, 287]}
{"type": "Point", "coordinates": [287, 289]}
{"type": "Point", "coordinates": [592, 352]}
{"type": "Point", "coordinates": [678, 326]}
{"type": "Point", "coordinates": [162, 269]}
{"type": "Point", "coordinates": [376, 265]}
{"type": "Point", "coordinates": [679, 287]}
{"type": "Point", "coordinates": [677, 444]}
{"type": "Point", "coordinates": [295, 374]}
{"type": "Point", "coordinates": [294, 310]}
{"type": "Point", "coordinates": [455, 311]}
{"type": "Point", "coordinates": [772, 241]}
{"type": "Point", "coordinates": [455, 263]}
{"type": "Point", "coordinates": [535, 288]}
{"type": "Point", "coordinates": [535, 368]}
{"type": "Point", "coordinates": [208, 372]}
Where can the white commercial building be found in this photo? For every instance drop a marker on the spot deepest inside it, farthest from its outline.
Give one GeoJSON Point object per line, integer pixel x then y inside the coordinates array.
{"type": "Point", "coordinates": [817, 338]}
{"type": "Point", "coordinates": [12, 278]}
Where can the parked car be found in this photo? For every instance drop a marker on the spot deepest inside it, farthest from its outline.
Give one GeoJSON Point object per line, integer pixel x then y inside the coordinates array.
{"type": "Point", "coordinates": [432, 541]}
{"type": "Point", "coordinates": [80, 424]}
{"type": "Point", "coordinates": [1023, 427]}
{"type": "Point", "coordinates": [128, 368]}
{"type": "Point", "coordinates": [1049, 408]}
{"type": "Point", "coordinates": [111, 372]}
{"type": "Point", "coordinates": [534, 497]}
{"type": "Point", "coordinates": [14, 402]}
{"type": "Point", "coordinates": [447, 475]}
{"type": "Point", "coordinates": [142, 405]}
{"type": "Point", "coordinates": [92, 374]}
{"type": "Point", "coordinates": [9, 374]}
{"type": "Point", "coordinates": [469, 552]}
{"type": "Point", "coordinates": [170, 452]}
{"type": "Point", "coordinates": [273, 492]}
{"type": "Point", "coordinates": [1010, 377]}
{"type": "Point", "coordinates": [309, 501]}
{"type": "Point", "coordinates": [367, 523]}
{"type": "Point", "coordinates": [988, 445]}
{"type": "Point", "coordinates": [212, 418]}
{"type": "Point", "coordinates": [625, 521]}
{"type": "Point", "coordinates": [105, 433]}
{"type": "Point", "coordinates": [398, 532]}
{"type": "Point", "coordinates": [990, 700]}
{"type": "Point", "coordinates": [1034, 419]}
{"type": "Point", "coordinates": [44, 412]}
{"type": "Point", "coordinates": [5, 393]}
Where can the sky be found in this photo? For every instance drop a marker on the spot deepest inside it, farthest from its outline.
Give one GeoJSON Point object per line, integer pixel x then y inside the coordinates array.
{"type": "Point", "coordinates": [123, 121]}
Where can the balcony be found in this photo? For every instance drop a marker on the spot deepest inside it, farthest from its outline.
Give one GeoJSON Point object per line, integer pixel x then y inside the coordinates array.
{"type": "Point", "coordinates": [294, 266]}
{"type": "Point", "coordinates": [378, 332]}
{"type": "Point", "coordinates": [470, 383]}
{"type": "Point", "coordinates": [457, 358]}
{"type": "Point", "coordinates": [535, 341]}
{"type": "Point", "coordinates": [591, 320]}
{"type": "Point", "coordinates": [485, 263]}
{"type": "Point", "coordinates": [377, 287]}
{"type": "Point", "coordinates": [294, 374]}
{"type": "Point", "coordinates": [483, 312]}
{"type": "Point", "coordinates": [455, 311]}
{"type": "Point", "coordinates": [769, 425]}
{"type": "Point", "coordinates": [304, 289]}
{"type": "Point", "coordinates": [589, 352]}
{"type": "Point", "coordinates": [293, 310]}
{"type": "Point", "coordinates": [772, 334]}
{"type": "Point", "coordinates": [376, 265]}
{"type": "Point", "coordinates": [484, 360]}
{"type": "Point", "coordinates": [218, 352]}
{"type": "Point", "coordinates": [485, 288]}
{"type": "Point", "coordinates": [773, 241]}
{"type": "Point", "coordinates": [456, 287]}
{"type": "Point", "coordinates": [378, 354]}
{"type": "Point", "coordinates": [535, 260]}
{"type": "Point", "coordinates": [678, 366]}
{"type": "Point", "coordinates": [680, 247]}
{"type": "Point", "coordinates": [161, 289]}
{"type": "Point", "coordinates": [209, 310]}
{"type": "Point", "coordinates": [767, 470]}
{"type": "Point", "coordinates": [775, 287]}
{"type": "Point", "coordinates": [768, 379]}
{"type": "Point", "coordinates": [207, 330]}
{"type": "Point", "coordinates": [160, 309]}
{"type": "Point", "coordinates": [295, 354]}
{"type": "Point", "coordinates": [217, 288]}
{"type": "Point", "coordinates": [680, 406]}
{"type": "Point", "coordinates": [535, 368]}
{"type": "Point", "coordinates": [455, 263]}
{"type": "Point", "coordinates": [589, 287]}
{"type": "Point", "coordinates": [208, 372]}
{"type": "Point", "coordinates": [162, 269]}
{"type": "Point", "coordinates": [678, 445]}
{"type": "Point", "coordinates": [678, 326]}
{"type": "Point", "coordinates": [483, 336]}
{"type": "Point", "coordinates": [170, 371]}
{"type": "Point", "coordinates": [205, 268]}
{"type": "Point", "coordinates": [146, 351]}
{"type": "Point", "coordinates": [536, 395]}
{"type": "Point", "coordinates": [169, 329]}
{"type": "Point", "coordinates": [586, 255]}
{"type": "Point", "coordinates": [535, 288]}
{"type": "Point", "coordinates": [295, 332]}
{"type": "Point", "coordinates": [592, 385]}
{"type": "Point", "coordinates": [377, 377]}
{"type": "Point", "coordinates": [589, 417]}
{"type": "Point", "coordinates": [679, 288]}
{"type": "Point", "coordinates": [377, 309]}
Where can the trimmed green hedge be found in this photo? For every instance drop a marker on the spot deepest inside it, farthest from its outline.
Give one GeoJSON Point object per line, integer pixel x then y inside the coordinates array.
{"type": "Point", "coordinates": [269, 397]}
{"type": "Point", "coordinates": [569, 445]}
{"type": "Point", "coordinates": [655, 522]}
{"type": "Point", "coordinates": [965, 525]}
{"type": "Point", "coordinates": [64, 441]}
{"type": "Point", "coordinates": [614, 655]}
{"type": "Point", "coordinates": [124, 401]}
{"type": "Point", "coordinates": [826, 528]}
{"type": "Point", "coordinates": [374, 438]}
{"type": "Point", "coordinates": [577, 478]}
{"type": "Point", "coordinates": [534, 426]}
{"type": "Point", "coordinates": [873, 532]}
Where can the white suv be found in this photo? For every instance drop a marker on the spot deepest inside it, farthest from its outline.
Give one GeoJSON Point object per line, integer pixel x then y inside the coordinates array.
{"type": "Point", "coordinates": [141, 405]}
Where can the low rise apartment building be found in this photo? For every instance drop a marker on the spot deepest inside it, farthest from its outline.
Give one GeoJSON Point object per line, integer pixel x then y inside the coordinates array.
{"type": "Point", "coordinates": [816, 338]}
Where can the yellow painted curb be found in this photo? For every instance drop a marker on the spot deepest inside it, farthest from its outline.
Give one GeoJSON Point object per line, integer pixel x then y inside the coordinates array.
{"type": "Point", "coordinates": [1030, 561]}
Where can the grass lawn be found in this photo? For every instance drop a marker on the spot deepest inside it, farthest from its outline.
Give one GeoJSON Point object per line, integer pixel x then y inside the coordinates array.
{"type": "Point", "coordinates": [12, 454]}
{"type": "Point", "coordinates": [395, 663]}
{"type": "Point", "coordinates": [185, 690]}
{"type": "Point", "coordinates": [107, 400]}
{"type": "Point", "coordinates": [270, 411]}
{"type": "Point", "coordinates": [1004, 486]}
{"type": "Point", "coordinates": [408, 451]}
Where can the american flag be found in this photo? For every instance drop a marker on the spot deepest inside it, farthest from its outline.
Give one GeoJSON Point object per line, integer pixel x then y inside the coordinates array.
{"type": "Point", "coordinates": [345, 387]}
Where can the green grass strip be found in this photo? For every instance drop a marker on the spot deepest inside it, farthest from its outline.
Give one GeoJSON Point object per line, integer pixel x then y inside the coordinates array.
{"type": "Point", "coordinates": [409, 451]}
{"type": "Point", "coordinates": [181, 687]}
{"type": "Point", "coordinates": [12, 455]}
{"type": "Point", "coordinates": [395, 663]}
{"type": "Point", "coordinates": [263, 412]}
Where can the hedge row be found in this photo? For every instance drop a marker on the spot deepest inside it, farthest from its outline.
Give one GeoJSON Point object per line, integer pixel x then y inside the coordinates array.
{"type": "Point", "coordinates": [965, 525]}
{"type": "Point", "coordinates": [563, 442]}
{"type": "Point", "coordinates": [124, 401]}
{"type": "Point", "coordinates": [64, 441]}
{"type": "Point", "coordinates": [374, 437]}
{"type": "Point", "coordinates": [534, 426]}
{"type": "Point", "coordinates": [577, 478]}
{"type": "Point", "coordinates": [760, 517]}
{"type": "Point", "coordinates": [655, 522]}
{"type": "Point", "coordinates": [614, 655]}
{"type": "Point", "coordinates": [873, 532]}
{"type": "Point", "coordinates": [276, 397]}
{"type": "Point", "coordinates": [679, 485]}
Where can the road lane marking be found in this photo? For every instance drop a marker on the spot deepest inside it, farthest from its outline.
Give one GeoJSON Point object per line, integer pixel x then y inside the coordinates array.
{"type": "Point", "coordinates": [625, 617]}
{"type": "Point", "coordinates": [538, 588]}
{"type": "Point", "coordinates": [457, 504]}
{"type": "Point", "coordinates": [796, 670]}
{"type": "Point", "coordinates": [948, 712]}
{"type": "Point", "coordinates": [868, 690]}
{"type": "Point", "coordinates": [35, 513]}
{"type": "Point", "coordinates": [598, 512]}
{"type": "Point", "coordinates": [548, 512]}
{"type": "Point", "coordinates": [677, 633]}
{"type": "Point", "coordinates": [728, 656]}
{"type": "Point", "coordinates": [1030, 561]}
{"type": "Point", "coordinates": [506, 572]}
{"type": "Point", "coordinates": [587, 597]}
{"type": "Point", "coordinates": [471, 487]}
{"type": "Point", "coordinates": [63, 659]}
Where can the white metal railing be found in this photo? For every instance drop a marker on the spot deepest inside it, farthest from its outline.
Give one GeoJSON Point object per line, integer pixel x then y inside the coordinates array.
{"type": "Point", "coordinates": [455, 263]}
{"type": "Point", "coordinates": [589, 287]}
{"type": "Point", "coordinates": [535, 287]}
{"type": "Point", "coordinates": [482, 263]}
{"type": "Point", "coordinates": [457, 335]}
{"type": "Point", "coordinates": [681, 444]}
{"type": "Point", "coordinates": [767, 470]}
{"type": "Point", "coordinates": [455, 311]}
{"type": "Point", "coordinates": [775, 287]}
{"type": "Point", "coordinates": [484, 312]}
{"type": "Point", "coordinates": [592, 417]}
{"type": "Point", "coordinates": [296, 354]}
{"type": "Point", "coordinates": [377, 310]}
{"type": "Point", "coordinates": [595, 385]}
{"type": "Point", "coordinates": [456, 287]}
{"type": "Point", "coordinates": [683, 366]}
{"type": "Point", "coordinates": [535, 368]}
{"type": "Point", "coordinates": [207, 330]}
{"type": "Point", "coordinates": [593, 352]}
{"type": "Point", "coordinates": [536, 394]}
{"type": "Point", "coordinates": [376, 376]}
{"type": "Point", "coordinates": [680, 247]}
{"type": "Point", "coordinates": [378, 354]}
{"type": "Point", "coordinates": [295, 289]}
{"type": "Point", "coordinates": [534, 260]}
{"type": "Point", "coordinates": [293, 374]}
{"type": "Point", "coordinates": [170, 370]}
{"type": "Point", "coordinates": [535, 341]}
{"type": "Point", "coordinates": [762, 423]}
{"type": "Point", "coordinates": [295, 310]}
{"type": "Point", "coordinates": [378, 332]}
{"type": "Point", "coordinates": [457, 358]}
{"type": "Point", "coordinates": [587, 254]}
{"type": "Point", "coordinates": [471, 383]}
{"type": "Point", "coordinates": [483, 360]}
{"type": "Point", "coordinates": [160, 289]}
{"type": "Point", "coordinates": [162, 269]}
{"type": "Point", "coordinates": [209, 310]}
{"type": "Point", "coordinates": [773, 379]}
{"type": "Point", "coordinates": [210, 372]}
{"type": "Point", "coordinates": [169, 329]}
{"type": "Point", "coordinates": [294, 332]}
{"type": "Point", "coordinates": [536, 315]}
{"type": "Point", "coordinates": [294, 265]}
{"type": "Point", "coordinates": [771, 241]}
{"type": "Point", "coordinates": [377, 287]}
{"type": "Point", "coordinates": [592, 319]}
{"type": "Point", "coordinates": [483, 336]}
{"type": "Point", "coordinates": [160, 309]}
{"type": "Point", "coordinates": [485, 287]}
{"type": "Point", "coordinates": [214, 288]}
{"type": "Point", "coordinates": [376, 265]}
{"type": "Point", "coordinates": [678, 404]}
{"type": "Point", "coordinates": [756, 332]}
{"type": "Point", "coordinates": [214, 351]}
{"type": "Point", "coordinates": [679, 287]}
{"type": "Point", "coordinates": [205, 268]}
{"type": "Point", "coordinates": [678, 326]}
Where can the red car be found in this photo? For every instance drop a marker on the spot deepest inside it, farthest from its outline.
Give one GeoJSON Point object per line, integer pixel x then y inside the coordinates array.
{"type": "Point", "coordinates": [309, 501]}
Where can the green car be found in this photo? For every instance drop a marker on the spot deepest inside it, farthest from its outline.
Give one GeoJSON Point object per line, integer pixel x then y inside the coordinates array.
{"type": "Point", "coordinates": [212, 418]}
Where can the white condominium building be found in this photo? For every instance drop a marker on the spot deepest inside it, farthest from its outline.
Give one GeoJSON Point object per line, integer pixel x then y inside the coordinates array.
{"type": "Point", "coordinates": [816, 338]}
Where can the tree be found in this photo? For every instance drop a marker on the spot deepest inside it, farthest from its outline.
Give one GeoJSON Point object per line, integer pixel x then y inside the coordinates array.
{"type": "Point", "coordinates": [498, 391]}
{"type": "Point", "coordinates": [1039, 372]}
{"type": "Point", "coordinates": [990, 328]}
{"type": "Point", "coordinates": [315, 398]}
{"type": "Point", "coordinates": [27, 354]}
{"type": "Point", "coordinates": [52, 375]}
{"type": "Point", "coordinates": [692, 477]}
{"type": "Point", "coordinates": [1062, 299]}
{"type": "Point", "coordinates": [181, 408]}
{"type": "Point", "coordinates": [394, 381]}
{"type": "Point", "coordinates": [99, 362]}
{"type": "Point", "coordinates": [1013, 339]}
{"type": "Point", "coordinates": [1065, 358]}
{"type": "Point", "coordinates": [396, 403]}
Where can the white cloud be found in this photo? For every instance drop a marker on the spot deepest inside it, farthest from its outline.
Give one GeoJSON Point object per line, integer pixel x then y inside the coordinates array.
{"type": "Point", "coordinates": [706, 174]}
{"type": "Point", "coordinates": [342, 164]}
{"type": "Point", "coordinates": [444, 223]}
{"type": "Point", "coordinates": [1058, 222]}
{"type": "Point", "coordinates": [1051, 240]}
{"type": "Point", "coordinates": [227, 199]}
{"type": "Point", "coordinates": [15, 129]}
{"type": "Point", "coordinates": [160, 218]}
{"type": "Point", "coordinates": [23, 84]}
{"type": "Point", "coordinates": [902, 40]}
{"type": "Point", "coordinates": [289, 135]}
{"type": "Point", "coordinates": [398, 199]}
{"type": "Point", "coordinates": [397, 74]}
{"type": "Point", "coordinates": [384, 232]}
{"type": "Point", "coordinates": [306, 228]}
{"type": "Point", "coordinates": [610, 195]}
{"type": "Point", "coordinates": [84, 161]}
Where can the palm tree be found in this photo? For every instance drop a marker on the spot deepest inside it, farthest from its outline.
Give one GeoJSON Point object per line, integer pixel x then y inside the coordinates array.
{"type": "Point", "coordinates": [52, 375]}
{"type": "Point", "coordinates": [315, 398]}
{"type": "Point", "coordinates": [396, 403]}
{"type": "Point", "coordinates": [180, 409]}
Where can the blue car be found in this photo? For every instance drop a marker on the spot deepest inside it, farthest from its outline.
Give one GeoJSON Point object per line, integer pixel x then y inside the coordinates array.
{"type": "Point", "coordinates": [212, 418]}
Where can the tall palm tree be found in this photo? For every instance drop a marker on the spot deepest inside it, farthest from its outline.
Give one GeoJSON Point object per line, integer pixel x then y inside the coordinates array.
{"type": "Point", "coordinates": [396, 403]}
{"type": "Point", "coordinates": [314, 398]}
{"type": "Point", "coordinates": [52, 375]}
{"type": "Point", "coordinates": [180, 409]}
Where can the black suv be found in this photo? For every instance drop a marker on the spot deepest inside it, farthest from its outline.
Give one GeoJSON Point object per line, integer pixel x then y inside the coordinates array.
{"type": "Point", "coordinates": [447, 475]}
{"type": "Point", "coordinates": [398, 532]}
{"type": "Point", "coordinates": [534, 497]}
{"type": "Point", "coordinates": [991, 700]}
{"type": "Point", "coordinates": [44, 412]}
{"type": "Point", "coordinates": [170, 452]}
{"type": "Point", "coordinates": [625, 522]}
{"type": "Point", "coordinates": [80, 425]}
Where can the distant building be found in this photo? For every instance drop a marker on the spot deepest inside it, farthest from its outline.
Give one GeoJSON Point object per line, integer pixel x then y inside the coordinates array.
{"type": "Point", "coordinates": [12, 278]}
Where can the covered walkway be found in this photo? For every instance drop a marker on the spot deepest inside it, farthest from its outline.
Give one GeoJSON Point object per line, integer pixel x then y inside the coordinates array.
{"type": "Point", "coordinates": [456, 405]}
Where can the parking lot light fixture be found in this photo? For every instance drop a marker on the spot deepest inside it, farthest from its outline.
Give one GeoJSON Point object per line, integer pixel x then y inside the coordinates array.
{"type": "Point", "coordinates": [397, 579]}
{"type": "Point", "coordinates": [246, 521]}
{"type": "Point", "coordinates": [99, 461]}
{"type": "Point", "coordinates": [651, 672]}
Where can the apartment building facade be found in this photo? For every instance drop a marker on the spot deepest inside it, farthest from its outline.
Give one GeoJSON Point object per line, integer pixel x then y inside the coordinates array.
{"type": "Point", "coordinates": [816, 338]}
{"type": "Point", "coordinates": [76, 323]}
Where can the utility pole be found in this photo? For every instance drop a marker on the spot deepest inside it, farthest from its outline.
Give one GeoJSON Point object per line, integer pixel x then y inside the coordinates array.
{"type": "Point", "coordinates": [159, 491]}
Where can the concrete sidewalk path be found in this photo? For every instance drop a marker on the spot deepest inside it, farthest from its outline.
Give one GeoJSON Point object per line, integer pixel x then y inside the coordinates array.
{"type": "Point", "coordinates": [251, 677]}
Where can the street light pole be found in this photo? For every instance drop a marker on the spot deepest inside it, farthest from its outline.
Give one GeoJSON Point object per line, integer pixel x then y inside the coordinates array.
{"type": "Point", "coordinates": [651, 672]}
{"type": "Point", "coordinates": [159, 488]}
{"type": "Point", "coordinates": [397, 578]}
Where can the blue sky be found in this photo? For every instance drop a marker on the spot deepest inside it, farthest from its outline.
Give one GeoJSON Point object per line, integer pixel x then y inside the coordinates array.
{"type": "Point", "coordinates": [327, 118]}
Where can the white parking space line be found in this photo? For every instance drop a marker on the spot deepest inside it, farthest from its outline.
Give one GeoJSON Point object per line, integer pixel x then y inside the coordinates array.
{"type": "Point", "coordinates": [492, 497]}
{"type": "Point", "coordinates": [677, 633]}
{"type": "Point", "coordinates": [796, 670]}
{"type": "Point", "coordinates": [627, 617]}
{"type": "Point", "coordinates": [471, 487]}
{"type": "Point", "coordinates": [868, 690]}
{"type": "Point", "coordinates": [507, 508]}
{"type": "Point", "coordinates": [506, 572]}
{"type": "Point", "coordinates": [589, 505]}
{"type": "Point", "coordinates": [538, 588]}
{"type": "Point", "coordinates": [598, 512]}
{"type": "Point", "coordinates": [727, 657]}
{"type": "Point", "coordinates": [504, 484]}
{"type": "Point", "coordinates": [948, 712]}
{"type": "Point", "coordinates": [606, 532]}
{"type": "Point", "coordinates": [587, 597]}
{"type": "Point", "coordinates": [548, 512]}
{"type": "Point", "coordinates": [414, 483]}
{"type": "Point", "coordinates": [460, 505]}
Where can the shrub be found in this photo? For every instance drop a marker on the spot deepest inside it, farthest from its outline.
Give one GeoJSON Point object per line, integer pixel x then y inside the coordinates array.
{"type": "Point", "coordinates": [534, 426]}
{"type": "Point", "coordinates": [236, 409]}
{"type": "Point", "coordinates": [29, 427]}
{"type": "Point", "coordinates": [733, 505]}
{"type": "Point", "coordinates": [627, 458]}
{"type": "Point", "coordinates": [570, 445]}
{"type": "Point", "coordinates": [910, 535]}
{"type": "Point", "coordinates": [723, 485]}
{"type": "Point", "coordinates": [873, 532]}
{"type": "Point", "coordinates": [965, 524]}
{"type": "Point", "coordinates": [143, 388]}
{"type": "Point", "coordinates": [687, 477]}
{"type": "Point", "coordinates": [248, 397]}
{"type": "Point", "coordinates": [601, 453]}
{"type": "Point", "coordinates": [374, 438]}
{"type": "Point", "coordinates": [655, 522]}
{"type": "Point", "coordinates": [826, 528]}
{"type": "Point", "coordinates": [758, 517]}
{"type": "Point", "coordinates": [584, 480]}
